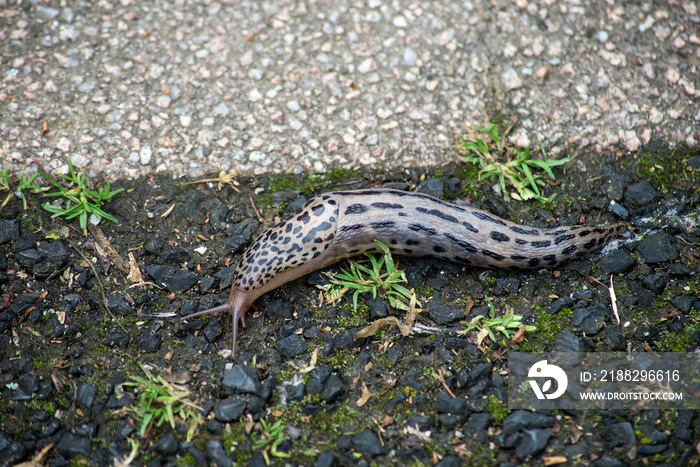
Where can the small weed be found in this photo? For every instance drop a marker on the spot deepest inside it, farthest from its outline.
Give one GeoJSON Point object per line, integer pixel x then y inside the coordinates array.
{"type": "Point", "coordinates": [507, 324]}
{"type": "Point", "coordinates": [487, 148]}
{"type": "Point", "coordinates": [80, 200]}
{"type": "Point", "coordinates": [362, 279]}
{"type": "Point", "coordinates": [24, 186]}
{"type": "Point", "coordinates": [272, 437]}
{"type": "Point", "coordinates": [162, 401]}
{"type": "Point", "coordinates": [12, 386]}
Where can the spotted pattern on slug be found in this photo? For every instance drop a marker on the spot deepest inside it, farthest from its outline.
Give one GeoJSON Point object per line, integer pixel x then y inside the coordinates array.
{"type": "Point", "coordinates": [337, 225]}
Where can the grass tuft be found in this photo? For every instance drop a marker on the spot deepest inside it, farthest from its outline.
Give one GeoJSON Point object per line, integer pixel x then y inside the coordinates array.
{"type": "Point", "coordinates": [80, 201]}
{"type": "Point", "coordinates": [487, 148]}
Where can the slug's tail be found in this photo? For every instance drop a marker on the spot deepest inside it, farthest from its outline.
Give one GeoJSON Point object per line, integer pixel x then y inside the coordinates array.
{"type": "Point", "coordinates": [238, 303]}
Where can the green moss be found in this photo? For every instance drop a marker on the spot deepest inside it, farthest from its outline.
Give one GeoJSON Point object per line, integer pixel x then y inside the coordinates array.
{"type": "Point", "coordinates": [342, 174]}
{"type": "Point", "coordinates": [547, 328]}
{"type": "Point", "coordinates": [679, 341]}
{"type": "Point", "coordinates": [497, 408]}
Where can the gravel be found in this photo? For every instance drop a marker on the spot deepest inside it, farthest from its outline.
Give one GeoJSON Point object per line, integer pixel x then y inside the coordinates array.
{"type": "Point", "coordinates": [133, 88]}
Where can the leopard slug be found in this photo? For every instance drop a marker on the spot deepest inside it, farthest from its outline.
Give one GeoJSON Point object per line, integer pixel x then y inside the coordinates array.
{"type": "Point", "coordinates": [337, 225]}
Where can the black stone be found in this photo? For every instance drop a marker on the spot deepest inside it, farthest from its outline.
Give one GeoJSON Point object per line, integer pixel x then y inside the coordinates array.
{"type": "Point", "coordinates": [441, 313]}
{"type": "Point", "coordinates": [532, 442]}
{"type": "Point", "coordinates": [85, 394]}
{"type": "Point", "coordinates": [230, 409]}
{"type": "Point", "coordinates": [240, 234]}
{"type": "Point", "coordinates": [684, 303]}
{"type": "Point", "coordinates": [445, 403]}
{"type": "Point", "coordinates": [642, 192]}
{"type": "Point", "coordinates": [657, 248]}
{"type": "Point", "coordinates": [558, 305]}
{"type": "Point", "coordinates": [118, 304]}
{"type": "Point", "coordinates": [619, 210]}
{"type": "Point", "coordinates": [368, 444]}
{"type": "Point", "coordinates": [241, 378]}
{"type": "Point", "coordinates": [656, 282]}
{"type": "Point", "coordinates": [166, 445]}
{"type": "Point", "coordinates": [174, 279]}
{"type": "Point", "coordinates": [588, 320]}
{"type": "Point", "coordinates": [118, 339]}
{"type": "Point", "coordinates": [422, 422]}
{"type": "Point", "coordinates": [279, 309]}
{"type": "Point", "coordinates": [325, 459]}
{"type": "Point", "coordinates": [9, 230]}
{"type": "Point", "coordinates": [292, 346]}
{"type": "Point", "coordinates": [617, 261]}
{"type": "Point", "coordinates": [50, 428]}
{"type": "Point", "coordinates": [215, 453]}
{"type": "Point", "coordinates": [27, 258]}
{"type": "Point", "coordinates": [174, 256]}
{"type": "Point", "coordinates": [213, 330]}
{"type": "Point", "coordinates": [150, 341]}
{"type": "Point", "coordinates": [333, 389]}
{"type": "Point", "coordinates": [480, 371]}
{"type": "Point", "coordinates": [620, 434]}
{"type": "Point", "coordinates": [72, 446]}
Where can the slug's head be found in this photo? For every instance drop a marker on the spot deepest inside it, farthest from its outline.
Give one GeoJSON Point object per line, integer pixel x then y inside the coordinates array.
{"type": "Point", "coordinates": [238, 303]}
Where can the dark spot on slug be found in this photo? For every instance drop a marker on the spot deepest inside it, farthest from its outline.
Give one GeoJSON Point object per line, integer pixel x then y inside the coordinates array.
{"type": "Point", "coordinates": [583, 233]}
{"type": "Point", "coordinates": [554, 233]}
{"type": "Point", "coordinates": [568, 250]}
{"type": "Point", "coordinates": [533, 262]}
{"type": "Point", "coordinates": [485, 217]}
{"type": "Point", "coordinates": [499, 236]}
{"type": "Point", "coordinates": [382, 224]}
{"type": "Point", "coordinates": [347, 228]}
{"type": "Point", "coordinates": [356, 209]}
{"type": "Point", "coordinates": [520, 241]}
{"type": "Point", "coordinates": [312, 234]}
{"type": "Point", "coordinates": [318, 209]}
{"type": "Point", "coordinates": [589, 244]}
{"type": "Point", "coordinates": [438, 213]}
{"type": "Point", "coordinates": [438, 249]}
{"type": "Point", "coordinates": [402, 214]}
{"type": "Point", "coordinates": [387, 206]}
{"type": "Point", "coordinates": [462, 243]}
{"type": "Point", "coordinates": [408, 251]}
{"type": "Point", "coordinates": [518, 257]}
{"type": "Point", "coordinates": [563, 238]}
{"type": "Point", "coordinates": [297, 230]}
{"type": "Point", "coordinates": [492, 254]}
{"type": "Point", "coordinates": [289, 227]}
{"type": "Point", "coordinates": [470, 227]}
{"type": "Point", "coordinates": [523, 231]}
{"type": "Point", "coordinates": [411, 242]}
{"type": "Point", "coordinates": [549, 257]}
{"type": "Point", "coordinates": [541, 243]}
{"type": "Point", "coordinates": [422, 228]}
{"type": "Point", "coordinates": [305, 218]}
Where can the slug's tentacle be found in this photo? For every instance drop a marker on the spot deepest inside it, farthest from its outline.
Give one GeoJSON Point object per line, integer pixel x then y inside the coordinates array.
{"type": "Point", "coordinates": [338, 225]}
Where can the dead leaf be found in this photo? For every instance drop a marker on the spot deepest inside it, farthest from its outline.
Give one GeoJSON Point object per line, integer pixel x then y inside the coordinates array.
{"type": "Point", "coordinates": [364, 397]}
{"type": "Point", "coordinates": [483, 334]}
{"type": "Point", "coordinates": [107, 249]}
{"type": "Point", "coordinates": [135, 275]}
{"type": "Point", "coordinates": [168, 211]}
{"type": "Point", "coordinates": [519, 336]}
{"type": "Point", "coordinates": [373, 328]}
{"type": "Point", "coordinates": [554, 460]}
